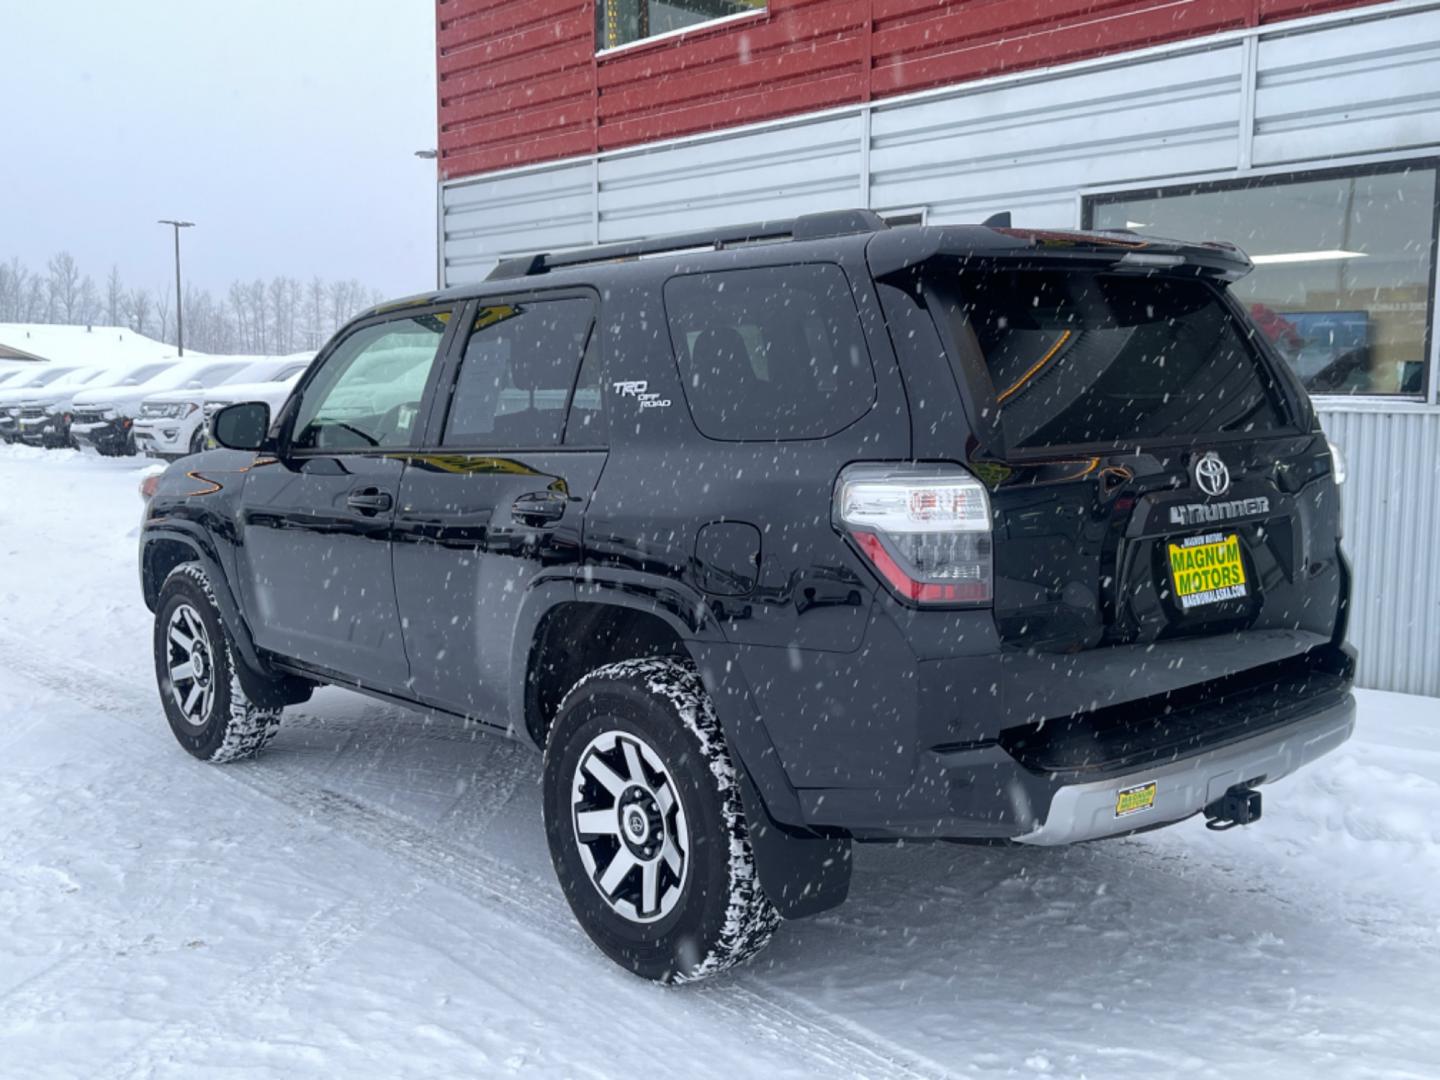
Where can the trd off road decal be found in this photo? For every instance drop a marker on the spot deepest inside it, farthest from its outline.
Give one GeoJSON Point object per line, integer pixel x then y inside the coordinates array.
{"type": "Point", "coordinates": [639, 391]}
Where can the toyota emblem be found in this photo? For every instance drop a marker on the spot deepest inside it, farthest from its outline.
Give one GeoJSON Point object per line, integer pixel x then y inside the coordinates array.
{"type": "Point", "coordinates": [1211, 475]}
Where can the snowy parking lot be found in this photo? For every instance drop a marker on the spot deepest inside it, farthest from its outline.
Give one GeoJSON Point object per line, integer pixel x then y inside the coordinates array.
{"type": "Point", "coordinates": [373, 896]}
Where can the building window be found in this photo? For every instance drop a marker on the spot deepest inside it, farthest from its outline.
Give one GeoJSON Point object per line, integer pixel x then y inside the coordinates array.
{"type": "Point", "coordinates": [620, 22]}
{"type": "Point", "coordinates": [1344, 264]}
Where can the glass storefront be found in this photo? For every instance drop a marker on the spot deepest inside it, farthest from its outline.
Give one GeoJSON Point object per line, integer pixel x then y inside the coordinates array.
{"type": "Point", "coordinates": [619, 22]}
{"type": "Point", "coordinates": [1344, 275]}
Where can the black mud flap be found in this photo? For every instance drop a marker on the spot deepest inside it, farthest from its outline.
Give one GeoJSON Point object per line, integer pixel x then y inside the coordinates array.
{"type": "Point", "coordinates": [802, 875]}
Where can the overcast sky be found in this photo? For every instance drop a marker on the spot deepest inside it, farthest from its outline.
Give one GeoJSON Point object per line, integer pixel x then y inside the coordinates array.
{"type": "Point", "coordinates": [284, 128]}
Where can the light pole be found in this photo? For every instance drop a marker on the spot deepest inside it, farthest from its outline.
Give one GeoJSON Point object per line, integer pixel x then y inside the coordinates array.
{"type": "Point", "coordinates": [431, 155]}
{"type": "Point", "coordinates": [179, 302]}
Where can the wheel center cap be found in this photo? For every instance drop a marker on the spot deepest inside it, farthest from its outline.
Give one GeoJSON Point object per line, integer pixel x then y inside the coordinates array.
{"type": "Point", "coordinates": [201, 664]}
{"type": "Point", "coordinates": [641, 827]}
{"type": "Point", "coordinates": [636, 824]}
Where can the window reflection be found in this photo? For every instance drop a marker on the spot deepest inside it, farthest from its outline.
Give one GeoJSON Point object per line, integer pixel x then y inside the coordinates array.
{"type": "Point", "coordinates": [619, 22]}
{"type": "Point", "coordinates": [1343, 262]}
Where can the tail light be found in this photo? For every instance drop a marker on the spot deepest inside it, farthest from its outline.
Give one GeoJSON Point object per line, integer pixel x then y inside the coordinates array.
{"type": "Point", "coordinates": [924, 528]}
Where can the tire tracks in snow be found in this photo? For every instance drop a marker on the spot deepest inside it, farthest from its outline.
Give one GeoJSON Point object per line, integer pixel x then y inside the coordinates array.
{"type": "Point", "coordinates": [826, 1043]}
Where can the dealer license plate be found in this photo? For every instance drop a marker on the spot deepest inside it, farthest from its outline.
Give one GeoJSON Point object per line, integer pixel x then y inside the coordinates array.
{"type": "Point", "coordinates": [1207, 570]}
{"type": "Point", "coordinates": [1133, 800]}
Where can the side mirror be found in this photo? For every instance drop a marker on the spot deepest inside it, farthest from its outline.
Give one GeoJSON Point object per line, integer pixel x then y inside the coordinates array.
{"type": "Point", "coordinates": [242, 426]}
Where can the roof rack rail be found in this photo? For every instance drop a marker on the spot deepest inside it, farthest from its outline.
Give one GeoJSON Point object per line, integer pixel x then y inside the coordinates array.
{"type": "Point", "coordinates": [805, 227]}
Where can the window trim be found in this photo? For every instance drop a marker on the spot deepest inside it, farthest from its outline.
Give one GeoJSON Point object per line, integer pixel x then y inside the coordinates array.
{"type": "Point", "coordinates": [1430, 353]}
{"type": "Point", "coordinates": [284, 425]}
{"type": "Point", "coordinates": [444, 390]}
{"type": "Point", "coordinates": [670, 35]}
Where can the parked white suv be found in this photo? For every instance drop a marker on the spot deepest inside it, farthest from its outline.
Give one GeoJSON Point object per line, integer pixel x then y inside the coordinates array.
{"type": "Point", "coordinates": [104, 418]}
{"type": "Point", "coordinates": [273, 393]}
{"type": "Point", "coordinates": [16, 390]}
{"type": "Point", "coordinates": [171, 424]}
{"type": "Point", "coordinates": [43, 417]}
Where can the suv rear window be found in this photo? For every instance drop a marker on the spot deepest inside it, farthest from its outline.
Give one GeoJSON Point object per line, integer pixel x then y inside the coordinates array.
{"type": "Point", "coordinates": [770, 354]}
{"type": "Point", "coordinates": [1079, 358]}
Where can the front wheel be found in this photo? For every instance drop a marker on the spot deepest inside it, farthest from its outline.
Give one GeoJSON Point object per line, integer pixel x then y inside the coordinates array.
{"type": "Point", "coordinates": [209, 711]}
{"type": "Point", "coordinates": [645, 824]}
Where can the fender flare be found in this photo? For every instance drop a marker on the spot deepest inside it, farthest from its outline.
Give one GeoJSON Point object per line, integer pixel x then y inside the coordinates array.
{"type": "Point", "coordinates": [264, 685]}
{"type": "Point", "coordinates": [803, 872]}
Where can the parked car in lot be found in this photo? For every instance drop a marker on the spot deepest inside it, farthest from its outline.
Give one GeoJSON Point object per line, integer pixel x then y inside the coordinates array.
{"type": "Point", "coordinates": [171, 424]}
{"type": "Point", "coordinates": [802, 534]}
{"type": "Point", "coordinates": [12, 394]}
{"type": "Point", "coordinates": [104, 418]}
{"type": "Point", "coordinates": [273, 393]}
{"type": "Point", "coordinates": [44, 413]}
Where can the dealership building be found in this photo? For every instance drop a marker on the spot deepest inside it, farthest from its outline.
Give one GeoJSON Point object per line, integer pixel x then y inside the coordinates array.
{"type": "Point", "coordinates": [1306, 131]}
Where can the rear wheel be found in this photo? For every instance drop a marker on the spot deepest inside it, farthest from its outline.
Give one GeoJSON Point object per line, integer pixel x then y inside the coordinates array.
{"type": "Point", "coordinates": [210, 714]}
{"type": "Point", "coordinates": [645, 824]}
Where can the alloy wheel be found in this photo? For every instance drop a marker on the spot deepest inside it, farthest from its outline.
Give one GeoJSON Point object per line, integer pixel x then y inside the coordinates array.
{"type": "Point", "coordinates": [630, 826]}
{"type": "Point", "coordinates": [191, 663]}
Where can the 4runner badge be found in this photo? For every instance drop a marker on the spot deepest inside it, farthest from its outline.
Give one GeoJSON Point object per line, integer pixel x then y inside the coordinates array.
{"type": "Point", "coordinates": [638, 390]}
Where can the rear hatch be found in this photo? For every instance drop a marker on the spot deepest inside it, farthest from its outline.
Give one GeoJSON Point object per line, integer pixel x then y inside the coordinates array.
{"type": "Point", "coordinates": [1154, 472]}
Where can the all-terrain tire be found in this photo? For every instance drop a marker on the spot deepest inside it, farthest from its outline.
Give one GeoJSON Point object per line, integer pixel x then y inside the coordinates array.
{"type": "Point", "coordinates": [636, 768]}
{"type": "Point", "coordinates": [210, 714]}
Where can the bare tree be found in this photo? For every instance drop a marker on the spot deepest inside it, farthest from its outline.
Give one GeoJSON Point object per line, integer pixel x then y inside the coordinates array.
{"type": "Point", "coordinates": [281, 316]}
{"type": "Point", "coordinates": [64, 288]}
{"type": "Point", "coordinates": [316, 314]}
{"type": "Point", "coordinates": [162, 314]}
{"type": "Point", "coordinates": [114, 298]}
{"type": "Point", "coordinates": [139, 306]}
{"type": "Point", "coordinates": [37, 301]}
{"type": "Point", "coordinates": [89, 309]}
{"type": "Point", "coordinates": [12, 290]}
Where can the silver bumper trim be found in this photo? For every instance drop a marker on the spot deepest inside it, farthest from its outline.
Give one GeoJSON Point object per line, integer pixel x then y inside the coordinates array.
{"type": "Point", "coordinates": [1185, 787]}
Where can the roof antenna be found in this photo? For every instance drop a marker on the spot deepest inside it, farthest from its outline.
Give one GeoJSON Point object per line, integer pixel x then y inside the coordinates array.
{"type": "Point", "coordinates": [997, 221]}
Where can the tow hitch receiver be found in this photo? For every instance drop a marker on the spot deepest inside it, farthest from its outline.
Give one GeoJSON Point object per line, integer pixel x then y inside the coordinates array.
{"type": "Point", "coordinates": [1238, 806]}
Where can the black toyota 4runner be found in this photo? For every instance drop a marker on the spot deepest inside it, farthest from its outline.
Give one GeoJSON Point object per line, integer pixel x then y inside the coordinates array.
{"type": "Point", "coordinates": [781, 537]}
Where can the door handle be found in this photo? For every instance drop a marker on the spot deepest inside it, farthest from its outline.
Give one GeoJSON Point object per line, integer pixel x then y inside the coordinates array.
{"type": "Point", "coordinates": [369, 501]}
{"type": "Point", "coordinates": [537, 508]}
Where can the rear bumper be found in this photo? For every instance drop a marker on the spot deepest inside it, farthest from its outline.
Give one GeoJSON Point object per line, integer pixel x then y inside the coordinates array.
{"type": "Point", "coordinates": [1087, 811]}
{"type": "Point", "coordinates": [1010, 745]}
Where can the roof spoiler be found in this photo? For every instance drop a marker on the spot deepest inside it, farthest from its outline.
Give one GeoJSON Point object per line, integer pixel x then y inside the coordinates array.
{"type": "Point", "coordinates": [1118, 250]}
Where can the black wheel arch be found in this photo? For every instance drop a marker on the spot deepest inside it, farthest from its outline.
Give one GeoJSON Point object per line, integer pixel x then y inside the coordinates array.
{"type": "Point", "coordinates": [803, 872]}
{"type": "Point", "coordinates": [161, 551]}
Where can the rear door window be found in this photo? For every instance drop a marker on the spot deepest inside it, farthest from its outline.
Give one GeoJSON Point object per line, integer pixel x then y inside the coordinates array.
{"type": "Point", "coordinates": [517, 374]}
{"type": "Point", "coordinates": [774, 353]}
{"type": "Point", "coordinates": [1086, 358]}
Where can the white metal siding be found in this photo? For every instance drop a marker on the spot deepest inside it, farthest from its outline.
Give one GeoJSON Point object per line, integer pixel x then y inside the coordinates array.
{"type": "Point", "coordinates": [1028, 147]}
{"type": "Point", "coordinates": [1349, 89]}
{"type": "Point", "coordinates": [1317, 91]}
{"type": "Point", "coordinates": [776, 173]}
{"type": "Point", "coordinates": [1392, 534]}
{"type": "Point", "coordinates": [537, 210]}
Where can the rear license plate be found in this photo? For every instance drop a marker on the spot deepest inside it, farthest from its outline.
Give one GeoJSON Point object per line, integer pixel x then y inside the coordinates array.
{"type": "Point", "coordinates": [1132, 800]}
{"type": "Point", "coordinates": [1207, 570]}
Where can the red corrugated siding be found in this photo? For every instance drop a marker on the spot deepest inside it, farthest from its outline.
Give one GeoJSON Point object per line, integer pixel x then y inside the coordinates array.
{"type": "Point", "coordinates": [520, 82]}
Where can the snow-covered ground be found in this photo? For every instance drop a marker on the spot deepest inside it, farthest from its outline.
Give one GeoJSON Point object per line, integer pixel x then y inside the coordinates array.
{"type": "Point", "coordinates": [373, 896]}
